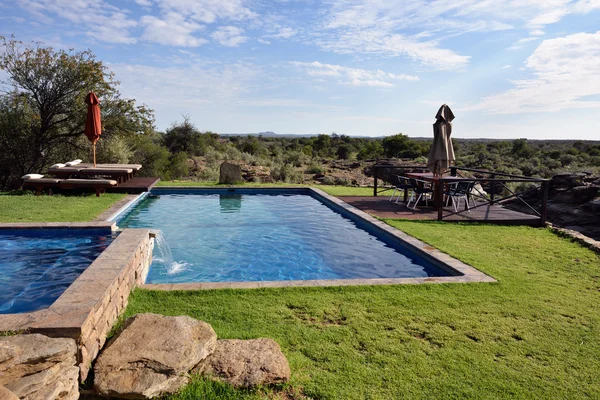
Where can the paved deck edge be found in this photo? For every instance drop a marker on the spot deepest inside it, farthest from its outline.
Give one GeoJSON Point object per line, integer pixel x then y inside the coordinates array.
{"type": "Point", "coordinates": [108, 214]}
{"type": "Point", "coordinates": [96, 225]}
{"type": "Point", "coordinates": [437, 257]}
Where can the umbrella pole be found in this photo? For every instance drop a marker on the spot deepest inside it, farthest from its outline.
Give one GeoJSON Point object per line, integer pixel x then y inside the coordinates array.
{"type": "Point", "coordinates": [94, 147]}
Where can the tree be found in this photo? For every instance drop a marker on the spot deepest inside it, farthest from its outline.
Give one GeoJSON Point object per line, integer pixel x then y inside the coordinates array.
{"type": "Point", "coordinates": [185, 137]}
{"type": "Point", "coordinates": [47, 109]}
{"type": "Point", "coordinates": [395, 145]}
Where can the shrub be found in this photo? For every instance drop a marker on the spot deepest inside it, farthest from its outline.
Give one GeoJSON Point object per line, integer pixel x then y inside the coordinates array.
{"type": "Point", "coordinates": [315, 169]}
{"type": "Point", "coordinates": [285, 173]}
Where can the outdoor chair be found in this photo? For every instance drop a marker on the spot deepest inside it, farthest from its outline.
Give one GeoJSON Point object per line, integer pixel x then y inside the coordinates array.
{"type": "Point", "coordinates": [98, 185]}
{"type": "Point", "coordinates": [403, 184]}
{"type": "Point", "coordinates": [460, 190]}
{"type": "Point", "coordinates": [119, 174]}
{"type": "Point", "coordinates": [424, 190]}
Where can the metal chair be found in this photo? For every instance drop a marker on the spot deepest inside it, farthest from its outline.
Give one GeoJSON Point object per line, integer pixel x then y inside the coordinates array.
{"type": "Point", "coordinates": [460, 190]}
{"type": "Point", "coordinates": [422, 191]}
{"type": "Point", "coordinates": [402, 186]}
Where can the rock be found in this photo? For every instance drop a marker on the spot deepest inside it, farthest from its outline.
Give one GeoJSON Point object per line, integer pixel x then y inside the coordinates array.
{"type": "Point", "coordinates": [246, 363]}
{"type": "Point", "coordinates": [22, 355]}
{"type": "Point", "coordinates": [230, 173]}
{"type": "Point", "coordinates": [6, 394]}
{"type": "Point", "coordinates": [152, 355]}
{"type": "Point", "coordinates": [57, 382]}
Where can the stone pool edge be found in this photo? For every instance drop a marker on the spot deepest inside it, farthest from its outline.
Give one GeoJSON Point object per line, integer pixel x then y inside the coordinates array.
{"type": "Point", "coordinates": [89, 307]}
{"type": "Point", "coordinates": [463, 273]}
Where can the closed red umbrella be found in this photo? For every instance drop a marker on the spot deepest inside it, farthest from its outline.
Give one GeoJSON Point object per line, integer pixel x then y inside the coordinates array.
{"type": "Point", "coordinates": [93, 123]}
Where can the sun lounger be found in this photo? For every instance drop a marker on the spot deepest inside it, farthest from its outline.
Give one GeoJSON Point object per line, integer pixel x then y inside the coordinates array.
{"type": "Point", "coordinates": [99, 185]}
{"type": "Point", "coordinates": [118, 174]}
{"type": "Point", "coordinates": [135, 167]}
{"type": "Point", "coordinates": [40, 184]}
{"type": "Point", "coordinates": [64, 172]}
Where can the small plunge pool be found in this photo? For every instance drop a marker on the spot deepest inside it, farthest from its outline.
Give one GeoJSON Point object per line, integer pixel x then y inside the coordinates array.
{"type": "Point", "coordinates": [37, 266]}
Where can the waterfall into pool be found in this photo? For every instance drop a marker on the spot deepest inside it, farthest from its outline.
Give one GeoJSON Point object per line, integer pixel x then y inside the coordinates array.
{"type": "Point", "coordinates": [165, 255]}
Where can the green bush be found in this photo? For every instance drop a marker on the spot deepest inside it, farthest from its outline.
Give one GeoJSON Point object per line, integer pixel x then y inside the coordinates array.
{"type": "Point", "coordinates": [315, 169]}
{"type": "Point", "coordinates": [285, 173]}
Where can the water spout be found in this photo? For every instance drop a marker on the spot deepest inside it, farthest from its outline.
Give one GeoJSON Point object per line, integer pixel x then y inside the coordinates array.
{"type": "Point", "coordinates": [165, 255]}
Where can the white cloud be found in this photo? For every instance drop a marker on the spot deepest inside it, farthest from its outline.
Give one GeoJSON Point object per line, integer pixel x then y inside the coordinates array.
{"type": "Point", "coordinates": [263, 41]}
{"type": "Point", "coordinates": [507, 66]}
{"type": "Point", "coordinates": [565, 71]}
{"type": "Point", "coordinates": [173, 30]}
{"type": "Point", "coordinates": [374, 41]}
{"type": "Point", "coordinates": [519, 43]}
{"type": "Point", "coordinates": [229, 36]}
{"type": "Point", "coordinates": [209, 11]}
{"type": "Point", "coordinates": [352, 76]}
{"type": "Point", "coordinates": [185, 88]}
{"type": "Point", "coordinates": [284, 33]}
{"type": "Point", "coordinates": [98, 19]}
{"type": "Point", "coordinates": [382, 26]}
{"type": "Point", "coordinates": [144, 3]}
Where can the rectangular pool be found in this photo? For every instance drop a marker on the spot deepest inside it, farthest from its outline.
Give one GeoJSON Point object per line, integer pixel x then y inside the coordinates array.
{"type": "Point", "coordinates": [246, 235]}
{"type": "Point", "coordinates": [38, 265]}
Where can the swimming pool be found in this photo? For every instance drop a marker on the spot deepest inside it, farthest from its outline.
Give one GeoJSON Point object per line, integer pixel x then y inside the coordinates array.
{"type": "Point", "coordinates": [247, 235]}
{"type": "Point", "coordinates": [37, 266]}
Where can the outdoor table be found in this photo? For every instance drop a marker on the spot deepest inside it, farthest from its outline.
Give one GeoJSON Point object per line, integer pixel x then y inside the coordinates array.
{"type": "Point", "coordinates": [438, 190]}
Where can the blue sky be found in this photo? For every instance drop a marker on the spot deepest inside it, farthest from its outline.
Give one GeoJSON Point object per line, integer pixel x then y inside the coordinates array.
{"type": "Point", "coordinates": [507, 68]}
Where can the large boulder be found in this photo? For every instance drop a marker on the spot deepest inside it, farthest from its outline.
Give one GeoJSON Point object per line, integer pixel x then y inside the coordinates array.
{"type": "Point", "coordinates": [152, 355]}
{"type": "Point", "coordinates": [230, 173]}
{"type": "Point", "coordinates": [38, 367]}
{"type": "Point", "coordinates": [246, 363]}
{"type": "Point", "coordinates": [57, 382]}
{"type": "Point", "coordinates": [6, 394]}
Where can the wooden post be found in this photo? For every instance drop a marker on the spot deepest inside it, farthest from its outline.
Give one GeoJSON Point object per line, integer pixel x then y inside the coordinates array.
{"type": "Point", "coordinates": [544, 211]}
{"type": "Point", "coordinates": [439, 196]}
{"type": "Point", "coordinates": [493, 192]}
{"type": "Point", "coordinates": [375, 182]}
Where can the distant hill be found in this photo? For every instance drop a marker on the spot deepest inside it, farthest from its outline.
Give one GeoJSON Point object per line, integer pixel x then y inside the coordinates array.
{"type": "Point", "coordinates": [269, 134]}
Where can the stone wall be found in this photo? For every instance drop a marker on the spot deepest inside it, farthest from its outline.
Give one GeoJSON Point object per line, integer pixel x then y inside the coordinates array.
{"type": "Point", "coordinates": [104, 315]}
{"type": "Point", "coordinates": [89, 308]}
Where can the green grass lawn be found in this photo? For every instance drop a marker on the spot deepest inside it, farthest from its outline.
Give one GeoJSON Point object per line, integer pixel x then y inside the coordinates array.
{"type": "Point", "coordinates": [56, 208]}
{"type": "Point", "coordinates": [534, 334]}
{"type": "Point", "coordinates": [332, 190]}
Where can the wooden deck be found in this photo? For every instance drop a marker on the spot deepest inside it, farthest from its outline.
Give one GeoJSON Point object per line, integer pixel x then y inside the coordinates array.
{"type": "Point", "coordinates": [381, 207]}
{"type": "Point", "coordinates": [135, 185]}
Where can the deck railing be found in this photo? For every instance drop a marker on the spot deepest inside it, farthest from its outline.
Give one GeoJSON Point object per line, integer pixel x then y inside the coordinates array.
{"type": "Point", "coordinates": [501, 189]}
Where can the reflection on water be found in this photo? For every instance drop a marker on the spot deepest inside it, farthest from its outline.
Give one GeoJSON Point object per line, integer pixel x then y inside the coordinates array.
{"type": "Point", "coordinates": [230, 202]}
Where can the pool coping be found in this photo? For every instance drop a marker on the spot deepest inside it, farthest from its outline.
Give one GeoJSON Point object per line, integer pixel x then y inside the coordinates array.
{"type": "Point", "coordinates": [462, 273]}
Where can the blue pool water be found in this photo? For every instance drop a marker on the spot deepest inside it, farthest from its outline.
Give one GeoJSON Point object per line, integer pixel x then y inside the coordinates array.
{"type": "Point", "coordinates": [232, 237]}
{"type": "Point", "coordinates": [36, 267]}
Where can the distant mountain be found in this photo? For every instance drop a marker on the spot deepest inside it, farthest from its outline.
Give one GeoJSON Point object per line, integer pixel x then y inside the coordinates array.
{"type": "Point", "coordinates": [269, 134]}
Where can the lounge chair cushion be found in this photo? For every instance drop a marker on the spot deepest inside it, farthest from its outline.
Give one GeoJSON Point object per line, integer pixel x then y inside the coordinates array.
{"type": "Point", "coordinates": [32, 176]}
{"type": "Point", "coordinates": [106, 171]}
{"type": "Point", "coordinates": [73, 163]}
{"type": "Point", "coordinates": [41, 181]}
{"type": "Point", "coordinates": [89, 182]}
{"type": "Point", "coordinates": [64, 170]}
{"type": "Point", "coordinates": [58, 165]}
